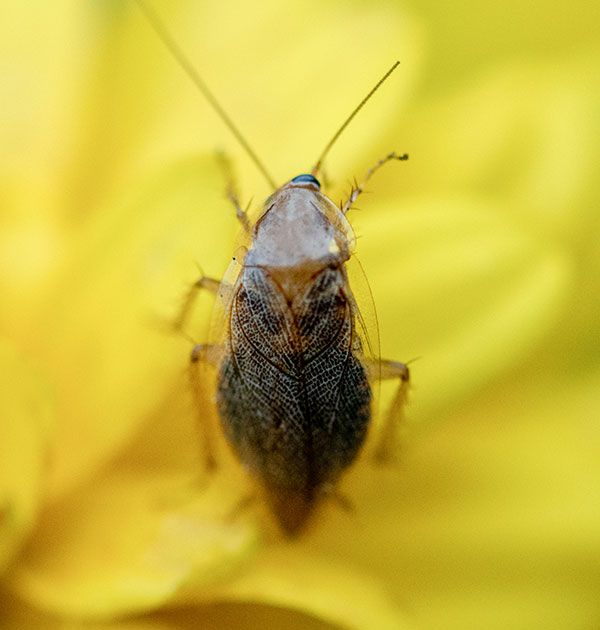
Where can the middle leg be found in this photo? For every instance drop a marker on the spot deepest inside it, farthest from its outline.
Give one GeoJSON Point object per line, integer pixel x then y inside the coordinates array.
{"type": "Point", "coordinates": [203, 283]}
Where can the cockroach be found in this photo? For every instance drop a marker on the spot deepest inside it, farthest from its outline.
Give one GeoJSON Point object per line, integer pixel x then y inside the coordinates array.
{"type": "Point", "coordinates": [294, 384]}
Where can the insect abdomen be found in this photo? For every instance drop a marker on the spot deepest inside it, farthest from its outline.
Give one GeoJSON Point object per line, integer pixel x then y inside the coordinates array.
{"type": "Point", "coordinates": [293, 395]}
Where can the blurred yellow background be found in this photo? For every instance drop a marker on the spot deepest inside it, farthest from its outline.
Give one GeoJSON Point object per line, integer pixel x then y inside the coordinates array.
{"type": "Point", "coordinates": [483, 256]}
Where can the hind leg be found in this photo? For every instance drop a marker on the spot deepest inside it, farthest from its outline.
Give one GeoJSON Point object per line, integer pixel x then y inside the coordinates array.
{"type": "Point", "coordinates": [387, 440]}
{"type": "Point", "coordinates": [202, 357]}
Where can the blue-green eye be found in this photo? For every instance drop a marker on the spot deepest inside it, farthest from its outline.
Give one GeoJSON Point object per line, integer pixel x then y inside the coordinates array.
{"type": "Point", "coordinates": [306, 178]}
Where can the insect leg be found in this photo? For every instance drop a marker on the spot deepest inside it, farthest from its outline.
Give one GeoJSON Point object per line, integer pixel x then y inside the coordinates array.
{"type": "Point", "coordinates": [342, 500]}
{"type": "Point", "coordinates": [357, 189]}
{"type": "Point", "coordinates": [204, 355]}
{"type": "Point", "coordinates": [231, 191]}
{"type": "Point", "coordinates": [240, 507]}
{"type": "Point", "coordinates": [208, 284]}
{"type": "Point", "coordinates": [207, 353]}
{"type": "Point", "coordinates": [386, 446]}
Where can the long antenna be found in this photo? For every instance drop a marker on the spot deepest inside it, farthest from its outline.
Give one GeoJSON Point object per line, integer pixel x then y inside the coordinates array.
{"type": "Point", "coordinates": [164, 35]}
{"type": "Point", "coordinates": [317, 167]}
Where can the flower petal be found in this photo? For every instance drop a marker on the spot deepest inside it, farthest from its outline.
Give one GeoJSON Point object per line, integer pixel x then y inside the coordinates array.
{"type": "Point", "coordinates": [522, 133]}
{"type": "Point", "coordinates": [125, 545]}
{"type": "Point", "coordinates": [103, 335]}
{"type": "Point", "coordinates": [472, 294]}
{"type": "Point", "coordinates": [336, 593]}
{"type": "Point", "coordinates": [282, 81]}
{"type": "Point", "coordinates": [493, 518]}
{"type": "Point", "coordinates": [25, 413]}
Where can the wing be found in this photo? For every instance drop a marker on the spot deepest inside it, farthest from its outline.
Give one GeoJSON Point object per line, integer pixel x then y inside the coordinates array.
{"type": "Point", "coordinates": [260, 393]}
{"type": "Point", "coordinates": [293, 395]}
{"type": "Point", "coordinates": [337, 389]}
{"type": "Point", "coordinates": [367, 328]}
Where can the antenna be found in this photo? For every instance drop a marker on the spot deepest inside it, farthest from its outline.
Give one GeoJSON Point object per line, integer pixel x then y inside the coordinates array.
{"type": "Point", "coordinates": [157, 24]}
{"type": "Point", "coordinates": [317, 167]}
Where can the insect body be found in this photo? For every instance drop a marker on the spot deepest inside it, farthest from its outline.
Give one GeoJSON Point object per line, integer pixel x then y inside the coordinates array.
{"type": "Point", "coordinates": [294, 381]}
{"type": "Point", "coordinates": [293, 396]}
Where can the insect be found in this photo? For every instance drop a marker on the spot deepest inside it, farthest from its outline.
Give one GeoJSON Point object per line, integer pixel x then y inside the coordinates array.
{"type": "Point", "coordinates": [295, 378]}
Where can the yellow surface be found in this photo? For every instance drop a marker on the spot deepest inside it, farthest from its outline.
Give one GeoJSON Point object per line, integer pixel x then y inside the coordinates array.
{"type": "Point", "coordinates": [481, 251]}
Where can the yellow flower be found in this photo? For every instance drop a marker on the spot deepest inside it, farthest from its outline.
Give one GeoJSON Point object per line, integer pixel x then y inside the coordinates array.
{"type": "Point", "coordinates": [481, 252]}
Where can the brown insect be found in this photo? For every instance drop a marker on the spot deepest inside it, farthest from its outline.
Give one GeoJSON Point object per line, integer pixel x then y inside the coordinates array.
{"type": "Point", "coordinates": [295, 373]}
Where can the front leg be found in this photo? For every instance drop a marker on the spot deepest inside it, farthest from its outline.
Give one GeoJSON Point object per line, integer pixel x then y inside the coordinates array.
{"type": "Point", "coordinates": [357, 189]}
{"type": "Point", "coordinates": [231, 192]}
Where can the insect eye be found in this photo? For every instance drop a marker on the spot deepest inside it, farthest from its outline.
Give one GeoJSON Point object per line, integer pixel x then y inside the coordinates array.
{"type": "Point", "coordinates": [306, 178]}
